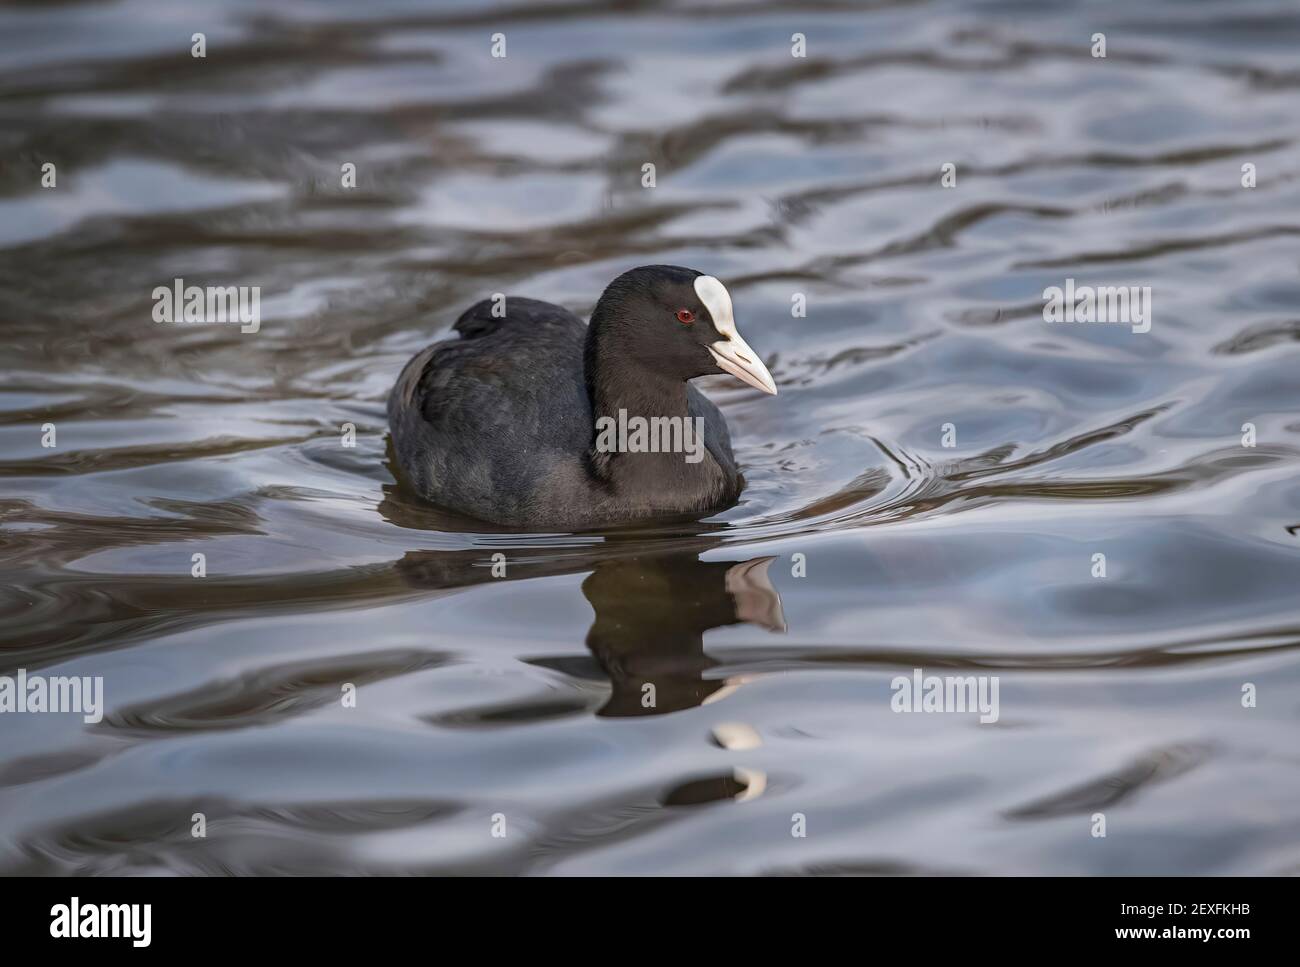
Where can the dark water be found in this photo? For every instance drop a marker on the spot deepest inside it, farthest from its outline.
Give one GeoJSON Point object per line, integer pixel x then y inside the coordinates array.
{"type": "Point", "coordinates": [522, 697]}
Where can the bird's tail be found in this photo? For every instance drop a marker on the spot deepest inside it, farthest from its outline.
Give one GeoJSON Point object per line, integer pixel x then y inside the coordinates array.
{"type": "Point", "coordinates": [476, 320]}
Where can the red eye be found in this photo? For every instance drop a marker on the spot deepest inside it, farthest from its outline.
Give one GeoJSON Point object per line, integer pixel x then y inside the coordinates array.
{"type": "Point", "coordinates": [685, 316]}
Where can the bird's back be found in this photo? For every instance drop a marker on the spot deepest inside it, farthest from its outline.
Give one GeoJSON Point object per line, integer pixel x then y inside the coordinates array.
{"type": "Point", "coordinates": [487, 423]}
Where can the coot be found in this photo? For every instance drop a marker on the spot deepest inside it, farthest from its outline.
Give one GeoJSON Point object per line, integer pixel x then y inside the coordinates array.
{"type": "Point", "coordinates": [535, 420]}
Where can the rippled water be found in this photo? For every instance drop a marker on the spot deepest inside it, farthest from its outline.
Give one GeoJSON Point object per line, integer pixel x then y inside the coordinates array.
{"type": "Point", "coordinates": [520, 700]}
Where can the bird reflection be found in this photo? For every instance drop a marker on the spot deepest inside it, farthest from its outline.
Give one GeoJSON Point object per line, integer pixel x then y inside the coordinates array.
{"type": "Point", "coordinates": [652, 606]}
{"type": "Point", "coordinates": [651, 615]}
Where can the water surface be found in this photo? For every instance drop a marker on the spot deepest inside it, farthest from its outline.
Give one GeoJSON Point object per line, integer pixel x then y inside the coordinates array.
{"type": "Point", "coordinates": [483, 699]}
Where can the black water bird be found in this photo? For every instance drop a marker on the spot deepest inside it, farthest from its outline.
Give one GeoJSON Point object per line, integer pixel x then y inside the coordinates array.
{"type": "Point", "coordinates": [532, 419]}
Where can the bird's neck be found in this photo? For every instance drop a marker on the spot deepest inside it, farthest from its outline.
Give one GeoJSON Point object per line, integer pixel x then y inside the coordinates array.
{"type": "Point", "coordinates": [638, 394]}
{"type": "Point", "coordinates": [616, 380]}
{"type": "Point", "coordinates": [660, 464]}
